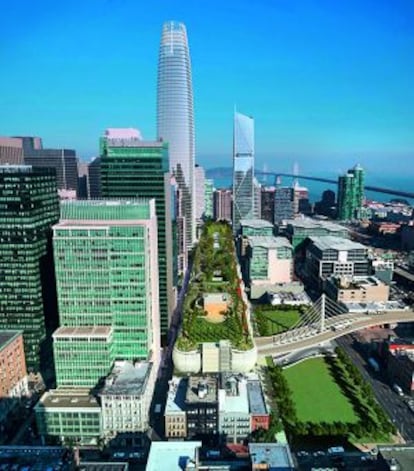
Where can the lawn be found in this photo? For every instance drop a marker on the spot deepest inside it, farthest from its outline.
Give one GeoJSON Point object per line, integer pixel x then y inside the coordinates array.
{"type": "Point", "coordinates": [316, 395]}
{"type": "Point", "coordinates": [275, 321]}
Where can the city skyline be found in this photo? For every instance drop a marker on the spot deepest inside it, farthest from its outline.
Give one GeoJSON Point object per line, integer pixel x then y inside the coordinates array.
{"type": "Point", "coordinates": [335, 82]}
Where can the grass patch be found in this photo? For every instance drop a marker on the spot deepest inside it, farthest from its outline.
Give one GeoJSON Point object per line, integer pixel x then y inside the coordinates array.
{"type": "Point", "coordinates": [271, 321]}
{"type": "Point", "coordinates": [316, 395]}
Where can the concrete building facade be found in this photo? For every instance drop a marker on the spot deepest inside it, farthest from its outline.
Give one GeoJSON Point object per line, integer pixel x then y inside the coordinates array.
{"type": "Point", "coordinates": [222, 201]}
{"type": "Point", "coordinates": [326, 256]}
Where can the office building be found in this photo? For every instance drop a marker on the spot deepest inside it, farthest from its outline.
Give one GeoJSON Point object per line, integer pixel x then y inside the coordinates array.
{"type": "Point", "coordinates": [222, 201]}
{"type": "Point", "coordinates": [175, 121]}
{"type": "Point", "coordinates": [175, 415]}
{"type": "Point", "coordinates": [271, 456]}
{"type": "Point", "coordinates": [83, 355]}
{"type": "Point", "coordinates": [241, 406]}
{"type": "Point", "coordinates": [234, 416]}
{"type": "Point", "coordinates": [199, 187]}
{"type": "Point", "coordinates": [64, 161]}
{"type": "Point", "coordinates": [256, 227]}
{"type": "Point", "coordinates": [243, 169]}
{"type": "Point", "coordinates": [126, 399]}
{"type": "Point", "coordinates": [13, 378]}
{"type": "Point", "coordinates": [326, 256]}
{"type": "Point", "coordinates": [298, 230]}
{"type": "Point", "coordinates": [94, 178]}
{"type": "Point", "coordinates": [130, 168]}
{"type": "Point", "coordinates": [72, 416]}
{"type": "Point", "coordinates": [284, 203]}
{"type": "Point", "coordinates": [107, 272]}
{"type": "Point", "coordinates": [357, 289]}
{"type": "Point", "coordinates": [201, 403]}
{"type": "Point", "coordinates": [11, 151]}
{"type": "Point", "coordinates": [257, 194]}
{"type": "Point", "coordinates": [351, 193]}
{"type": "Point", "coordinates": [208, 198]}
{"type": "Point", "coordinates": [326, 206]}
{"type": "Point", "coordinates": [269, 260]}
{"type": "Point", "coordinates": [29, 206]}
{"type": "Point", "coordinates": [267, 205]}
{"type": "Point", "coordinates": [83, 180]}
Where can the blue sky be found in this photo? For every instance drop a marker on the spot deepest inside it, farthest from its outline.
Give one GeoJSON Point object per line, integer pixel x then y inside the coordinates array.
{"type": "Point", "coordinates": [329, 83]}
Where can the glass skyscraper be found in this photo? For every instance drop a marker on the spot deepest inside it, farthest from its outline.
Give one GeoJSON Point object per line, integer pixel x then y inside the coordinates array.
{"type": "Point", "coordinates": [106, 262]}
{"type": "Point", "coordinates": [175, 123]}
{"type": "Point", "coordinates": [29, 206]}
{"type": "Point", "coordinates": [243, 169]}
{"type": "Point", "coordinates": [351, 193]}
{"type": "Point", "coordinates": [131, 168]}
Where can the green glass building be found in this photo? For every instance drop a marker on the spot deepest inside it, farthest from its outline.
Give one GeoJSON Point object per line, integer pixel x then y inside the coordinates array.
{"type": "Point", "coordinates": [29, 206]}
{"type": "Point", "coordinates": [83, 355]}
{"type": "Point", "coordinates": [133, 168]}
{"type": "Point", "coordinates": [351, 193]}
{"type": "Point", "coordinates": [106, 266]}
{"type": "Point", "coordinates": [73, 416]}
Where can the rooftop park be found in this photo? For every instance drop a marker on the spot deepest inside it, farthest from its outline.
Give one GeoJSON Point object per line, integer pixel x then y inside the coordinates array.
{"type": "Point", "coordinates": [328, 397]}
{"type": "Point", "coordinates": [272, 320]}
{"type": "Point", "coordinates": [213, 309]}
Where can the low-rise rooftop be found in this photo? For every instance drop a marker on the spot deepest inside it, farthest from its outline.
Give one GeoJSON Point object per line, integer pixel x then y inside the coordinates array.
{"type": "Point", "coordinates": [257, 404]}
{"type": "Point", "coordinates": [127, 378]}
{"type": "Point", "coordinates": [309, 223]}
{"type": "Point", "coordinates": [176, 395]}
{"type": "Point", "coordinates": [7, 336]}
{"type": "Point", "coordinates": [256, 223]}
{"type": "Point", "coordinates": [83, 332]}
{"type": "Point", "coordinates": [171, 456]}
{"type": "Point", "coordinates": [67, 398]}
{"type": "Point", "coordinates": [233, 395]}
{"type": "Point", "coordinates": [269, 242]}
{"type": "Point", "coordinates": [336, 243]}
{"type": "Point", "coordinates": [274, 455]}
{"type": "Point", "coordinates": [201, 389]}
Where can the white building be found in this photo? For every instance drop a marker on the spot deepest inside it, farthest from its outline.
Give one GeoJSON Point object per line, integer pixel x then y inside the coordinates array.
{"type": "Point", "coordinates": [234, 413]}
{"type": "Point", "coordinates": [126, 398]}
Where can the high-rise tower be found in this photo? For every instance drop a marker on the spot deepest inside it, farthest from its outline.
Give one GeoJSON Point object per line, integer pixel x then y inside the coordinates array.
{"type": "Point", "coordinates": [243, 169]}
{"type": "Point", "coordinates": [351, 193]}
{"type": "Point", "coordinates": [175, 122]}
{"type": "Point", "coordinates": [29, 207]}
{"type": "Point", "coordinates": [131, 168]}
{"type": "Point", "coordinates": [106, 260]}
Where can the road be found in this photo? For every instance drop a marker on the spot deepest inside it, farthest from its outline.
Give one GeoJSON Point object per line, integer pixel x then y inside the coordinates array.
{"type": "Point", "coordinates": [266, 347]}
{"type": "Point", "coordinates": [390, 401]}
{"type": "Point", "coordinates": [166, 367]}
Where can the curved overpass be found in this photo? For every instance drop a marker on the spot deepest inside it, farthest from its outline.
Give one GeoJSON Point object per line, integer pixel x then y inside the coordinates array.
{"type": "Point", "coordinates": [274, 345]}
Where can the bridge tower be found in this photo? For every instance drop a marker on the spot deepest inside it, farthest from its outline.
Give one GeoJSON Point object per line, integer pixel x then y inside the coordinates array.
{"type": "Point", "coordinates": [323, 314]}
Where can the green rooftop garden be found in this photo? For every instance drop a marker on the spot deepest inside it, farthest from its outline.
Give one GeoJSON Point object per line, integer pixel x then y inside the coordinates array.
{"type": "Point", "coordinates": [214, 271]}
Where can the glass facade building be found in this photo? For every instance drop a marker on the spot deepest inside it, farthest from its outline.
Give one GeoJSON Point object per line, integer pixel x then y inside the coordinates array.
{"type": "Point", "coordinates": [243, 169]}
{"type": "Point", "coordinates": [29, 206]}
{"type": "Point", "coordinates": [83, 355]}
{"type": "Point", "coordinates": [106, 263]}
{"type": "Point", "coordinates": [134, 168]}
{"type": "Point", "coordinates": [284, 203]}
{"type": "Point", "coordinates": [175, 122]}
{"type": "Point", "coordinates": [64, 161]}
{"type": "Point", "coordinates": [351, 193]}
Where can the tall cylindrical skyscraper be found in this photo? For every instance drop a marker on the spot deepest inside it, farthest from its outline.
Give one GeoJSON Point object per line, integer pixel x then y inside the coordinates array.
{"type": "Point", "coordinates": [175, 124]}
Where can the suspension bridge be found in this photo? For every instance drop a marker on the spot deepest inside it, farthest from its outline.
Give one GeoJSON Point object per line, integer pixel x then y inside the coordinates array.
{"type": "Point", "coordinates": [323, 321]}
